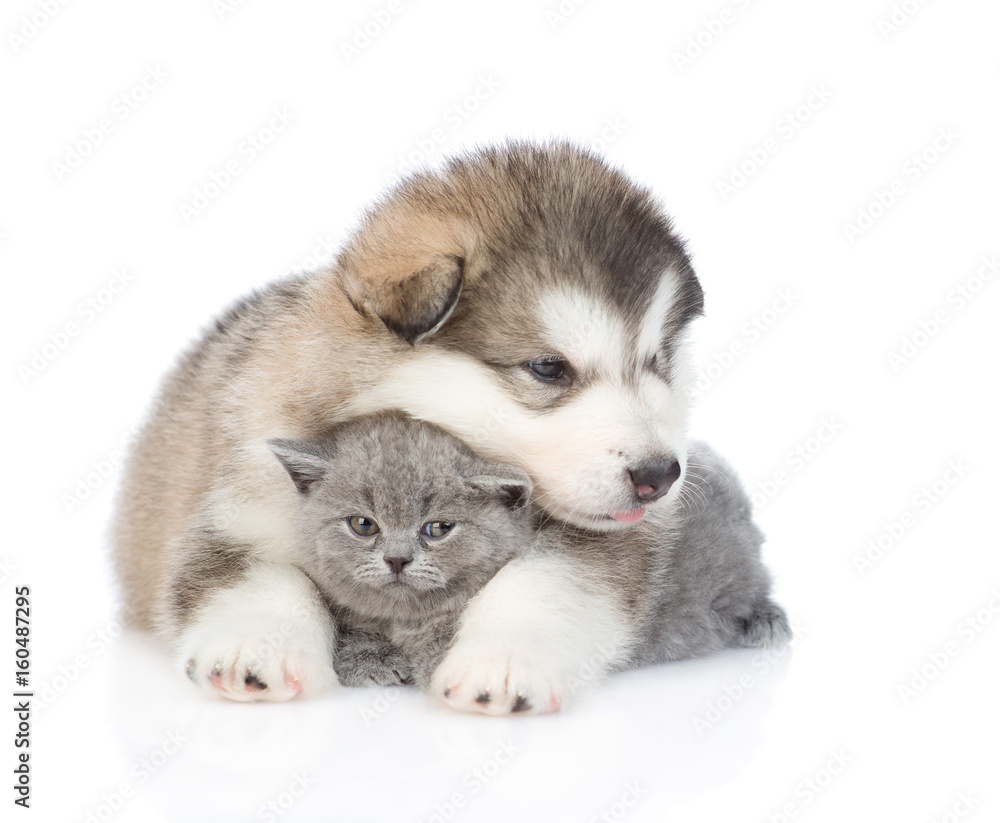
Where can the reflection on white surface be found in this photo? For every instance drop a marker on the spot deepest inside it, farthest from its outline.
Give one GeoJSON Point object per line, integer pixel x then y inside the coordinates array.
{"type": "Point", "coordinates": [386, 755]}
{"type": "Point", "coordinates": [815, 729]}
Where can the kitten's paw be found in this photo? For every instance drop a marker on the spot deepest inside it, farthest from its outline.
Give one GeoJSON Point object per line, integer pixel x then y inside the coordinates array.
{"type": "Point", "coordinates": [498, 682]}
{"type": "Point", "coordinates": [364, 660]}
{"type": "Point", "coordinates": [766, 625]}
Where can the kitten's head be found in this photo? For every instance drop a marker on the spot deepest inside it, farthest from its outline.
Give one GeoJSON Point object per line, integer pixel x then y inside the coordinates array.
{"type": "Point", "coordinates": [399, 518]}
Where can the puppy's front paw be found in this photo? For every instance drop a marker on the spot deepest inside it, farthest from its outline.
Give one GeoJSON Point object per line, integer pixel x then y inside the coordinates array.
{"type": "Point", "coordinates": [267, 635]}
{"type": "Point", "coordinates": [276, 665]}
{"type": "Point", "coordinates": [531, 640]}
{"type": "Point", "coordinates": [498, 681]}
{"type": "Point", "coordinates": [265, 649]}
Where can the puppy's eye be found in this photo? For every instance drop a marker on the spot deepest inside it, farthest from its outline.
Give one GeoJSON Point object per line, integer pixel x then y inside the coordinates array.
{"type": "Point", "coordinates": [436, 529]}
{"type": "Point", "coordinates": [362, 526]}
{"type": "Point", "coordinates": [547, 370]}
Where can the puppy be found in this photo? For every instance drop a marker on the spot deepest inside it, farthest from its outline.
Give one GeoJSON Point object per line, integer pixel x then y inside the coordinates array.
{"type": "Point", "coordinates": [530, 300]}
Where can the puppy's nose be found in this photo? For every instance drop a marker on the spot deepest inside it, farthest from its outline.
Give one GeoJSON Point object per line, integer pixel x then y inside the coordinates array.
{"type": "Point", "coordinates": [654, 479]}
{"type": "Point", "coordinates": [397, 563]}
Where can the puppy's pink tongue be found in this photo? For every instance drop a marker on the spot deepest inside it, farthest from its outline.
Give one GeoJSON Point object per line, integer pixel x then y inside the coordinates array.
{"type": "Point", "coordinates": [633, 516]}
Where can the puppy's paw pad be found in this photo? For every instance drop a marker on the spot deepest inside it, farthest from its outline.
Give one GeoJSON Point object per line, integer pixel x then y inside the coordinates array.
{"type": "Point", "coordinates": [258, 668]}
{"type": "Point", "coordinates": [500, 686]}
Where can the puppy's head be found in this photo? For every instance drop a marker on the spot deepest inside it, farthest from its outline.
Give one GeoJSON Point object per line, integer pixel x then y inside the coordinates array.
{"type": "Point", "coordinates": [547, 299]}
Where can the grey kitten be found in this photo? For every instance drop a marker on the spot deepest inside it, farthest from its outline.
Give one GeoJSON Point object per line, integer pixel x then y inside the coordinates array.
{"type": "Point", "coordinates": [401, 524]}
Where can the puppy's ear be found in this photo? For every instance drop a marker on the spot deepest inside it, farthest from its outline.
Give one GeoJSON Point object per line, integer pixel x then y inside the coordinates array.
{"type": "Point", "coordinates": [406, 266]}
{"type": "Point", "coordinates": [419, 304]}
{"type": "Point", "coordinates": [511, 486]}
{"type": "Point", "coordinates": [304, 461]}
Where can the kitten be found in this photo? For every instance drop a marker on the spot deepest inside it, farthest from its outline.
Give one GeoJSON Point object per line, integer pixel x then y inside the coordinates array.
{"type": "Point", "coordinates": [400, 525]}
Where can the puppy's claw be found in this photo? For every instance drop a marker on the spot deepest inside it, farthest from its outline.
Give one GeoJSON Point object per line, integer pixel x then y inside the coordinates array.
{"type": "Point", "coordinates": [521, 704]}
{"type": "Point", "coordinates": [254, 683]}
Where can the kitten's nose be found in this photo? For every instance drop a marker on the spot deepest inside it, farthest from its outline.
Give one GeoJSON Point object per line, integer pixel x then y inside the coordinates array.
{"type": "Point", "coordinates": [397, 563]}
{"type": "Point", "coordinates": [653, 479]}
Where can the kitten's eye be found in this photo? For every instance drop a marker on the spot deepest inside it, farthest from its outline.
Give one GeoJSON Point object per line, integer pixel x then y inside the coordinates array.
{"type": "Point", "coordinates": [437, 529]}
{"type": "Point", "coordinates": [362, 525]}
{"type": "Point", "coordinates": [548, 370]}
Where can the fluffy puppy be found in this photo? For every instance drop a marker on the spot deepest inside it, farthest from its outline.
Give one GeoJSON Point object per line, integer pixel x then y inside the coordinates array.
{"type": "Point", "coordinates": [530, 300]}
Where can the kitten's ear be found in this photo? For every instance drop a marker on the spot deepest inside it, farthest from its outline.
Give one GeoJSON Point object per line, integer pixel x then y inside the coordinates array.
{"type": "Point", "coordinates": [511, 486]}
{"type": "Point", "coordinates": [303, 461]}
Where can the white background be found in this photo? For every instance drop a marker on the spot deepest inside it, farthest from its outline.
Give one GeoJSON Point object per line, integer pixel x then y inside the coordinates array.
{"type": "Point", "coordinates": [820, 733]}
